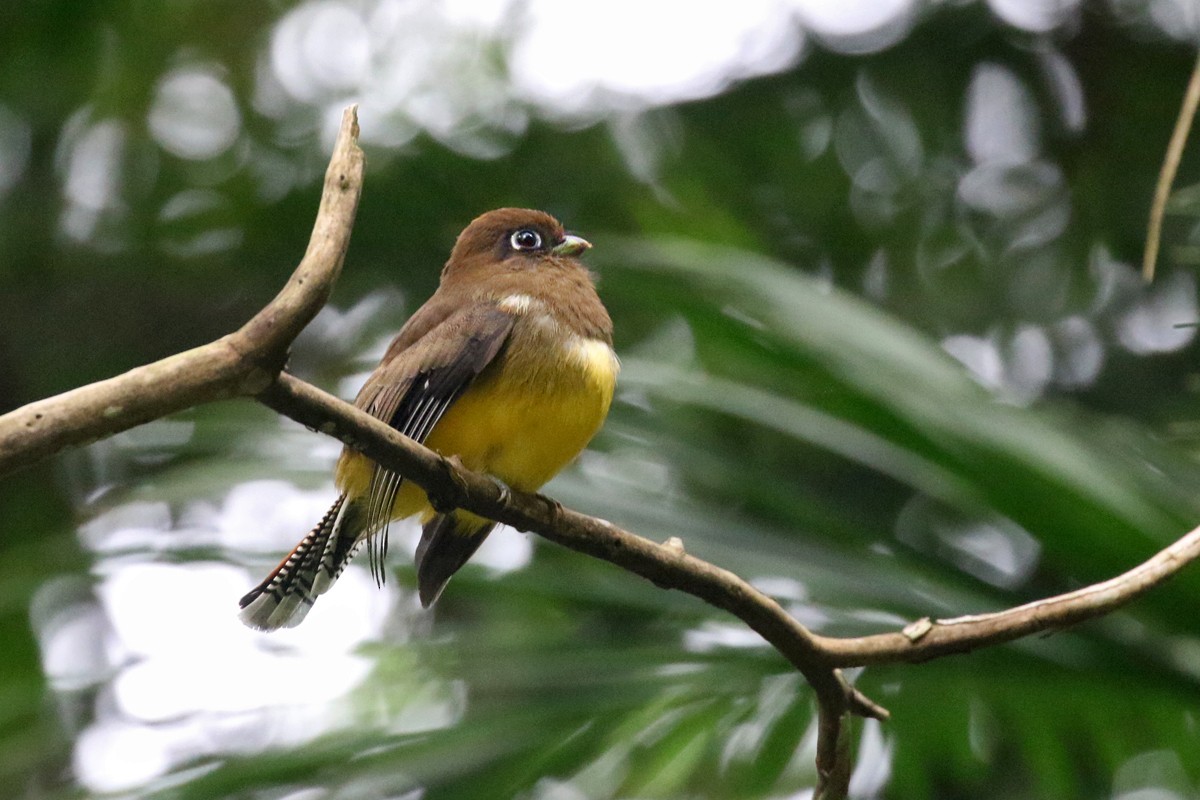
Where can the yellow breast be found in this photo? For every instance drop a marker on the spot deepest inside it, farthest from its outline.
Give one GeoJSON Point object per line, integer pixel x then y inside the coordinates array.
{"type": "Point", "coordinates": [525, 417]}
{"type": "Point", "coordinates": [524, 421]}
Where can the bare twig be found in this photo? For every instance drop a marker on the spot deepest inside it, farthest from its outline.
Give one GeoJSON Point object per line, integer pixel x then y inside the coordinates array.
{"type": "Point", "coordinates": [958, 635]}
{"type": "Point", "coordinates": [833, 754]}
{"type": "Point", "coordinates": [1158, 209]}
{"type": "Point", "coordinates": [241, 363]}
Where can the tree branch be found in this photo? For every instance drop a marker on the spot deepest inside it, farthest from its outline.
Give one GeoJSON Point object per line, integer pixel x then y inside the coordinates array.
{"type": "Point", "coordinates": [926, 639]}
{"type": "Point", "coordinates": [834, 758]}
{"type": "Point", "coordinates": [1166, 176]}
{"type": "Point", "coordinates": [241, 363]}
{"type": "Point", "coordinates": [666, 565]}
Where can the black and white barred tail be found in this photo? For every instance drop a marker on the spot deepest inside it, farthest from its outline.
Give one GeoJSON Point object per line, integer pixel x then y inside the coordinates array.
{"type": "Point", "coordinates": [284, 597]}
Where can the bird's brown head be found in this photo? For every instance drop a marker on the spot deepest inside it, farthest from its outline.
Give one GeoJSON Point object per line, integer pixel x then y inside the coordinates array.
{"type": "Point", "coordinates": [512, 240]}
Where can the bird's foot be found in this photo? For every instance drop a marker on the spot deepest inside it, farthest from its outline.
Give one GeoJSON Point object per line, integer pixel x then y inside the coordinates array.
{"type": "Point", "coordinates": [448, 497]}
{"type": "Point", "coordinates": [505, 493]}
{"type": "Point", "coordinates": [554, 509]}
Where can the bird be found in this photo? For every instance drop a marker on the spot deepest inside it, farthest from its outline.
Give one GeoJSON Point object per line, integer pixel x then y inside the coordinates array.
{"type": "Point", "coordinates": [508, 367]}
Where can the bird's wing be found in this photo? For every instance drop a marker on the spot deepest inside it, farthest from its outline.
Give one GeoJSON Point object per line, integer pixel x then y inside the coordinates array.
{"type": "Point", "coordinates": [413, 388]}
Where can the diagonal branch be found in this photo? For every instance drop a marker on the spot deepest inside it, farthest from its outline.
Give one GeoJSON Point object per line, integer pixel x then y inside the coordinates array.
{"type": "Point", "coordinates": [666, 565]}
{"type": "Point", "coordinates": [241, 363]}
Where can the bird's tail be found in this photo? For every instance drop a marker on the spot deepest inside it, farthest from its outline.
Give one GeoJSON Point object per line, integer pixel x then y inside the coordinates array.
{"type": "Point", "coordinates": [284, 597]}
{"type": "Point", "coordinates": [447, 541]}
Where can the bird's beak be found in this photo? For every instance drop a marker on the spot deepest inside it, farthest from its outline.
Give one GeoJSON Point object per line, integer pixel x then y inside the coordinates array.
{"type": "Point", "coordinates": [571, 246]}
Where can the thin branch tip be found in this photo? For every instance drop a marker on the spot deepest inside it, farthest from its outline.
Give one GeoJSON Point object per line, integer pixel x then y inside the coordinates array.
{"type": "Point", "coordinates": [1170, 166]}
{"type": "Point", "coordinates": [861, 705]}
{"type": "Point", "coordinates": [349, 128]}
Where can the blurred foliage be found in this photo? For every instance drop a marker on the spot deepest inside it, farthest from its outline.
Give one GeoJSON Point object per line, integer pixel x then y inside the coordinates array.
{"type": "Point", "coordinates": [884, 354]}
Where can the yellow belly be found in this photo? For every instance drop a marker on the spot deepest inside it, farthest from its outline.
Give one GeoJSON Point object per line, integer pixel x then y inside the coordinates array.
{"type": "Point", "coordinates": [521, 422]}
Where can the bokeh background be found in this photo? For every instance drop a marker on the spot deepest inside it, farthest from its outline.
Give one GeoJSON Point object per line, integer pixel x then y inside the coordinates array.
{"type": "Point", "coordinates": [886, 354]}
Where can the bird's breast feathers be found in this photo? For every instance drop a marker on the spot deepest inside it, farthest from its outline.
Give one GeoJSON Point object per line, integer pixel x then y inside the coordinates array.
{"type": "Point", "coordinates": [537, 406]}
{"type": "Point", "coordinates": [548, 353]}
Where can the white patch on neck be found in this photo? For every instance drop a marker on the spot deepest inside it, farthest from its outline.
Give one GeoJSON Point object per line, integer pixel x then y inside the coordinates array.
{"type": "Point", "coordinates": [517, 303]}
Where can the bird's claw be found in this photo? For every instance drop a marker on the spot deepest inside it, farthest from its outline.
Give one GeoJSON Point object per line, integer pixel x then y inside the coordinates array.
{"type": "Point", "coordinates": [448, 498]}
{"type": "Point", "coordinates": [555, 508]}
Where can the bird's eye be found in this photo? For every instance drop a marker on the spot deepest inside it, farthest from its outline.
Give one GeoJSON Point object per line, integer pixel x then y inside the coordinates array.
{"type": "Point", "coordinates": [525, 239]}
